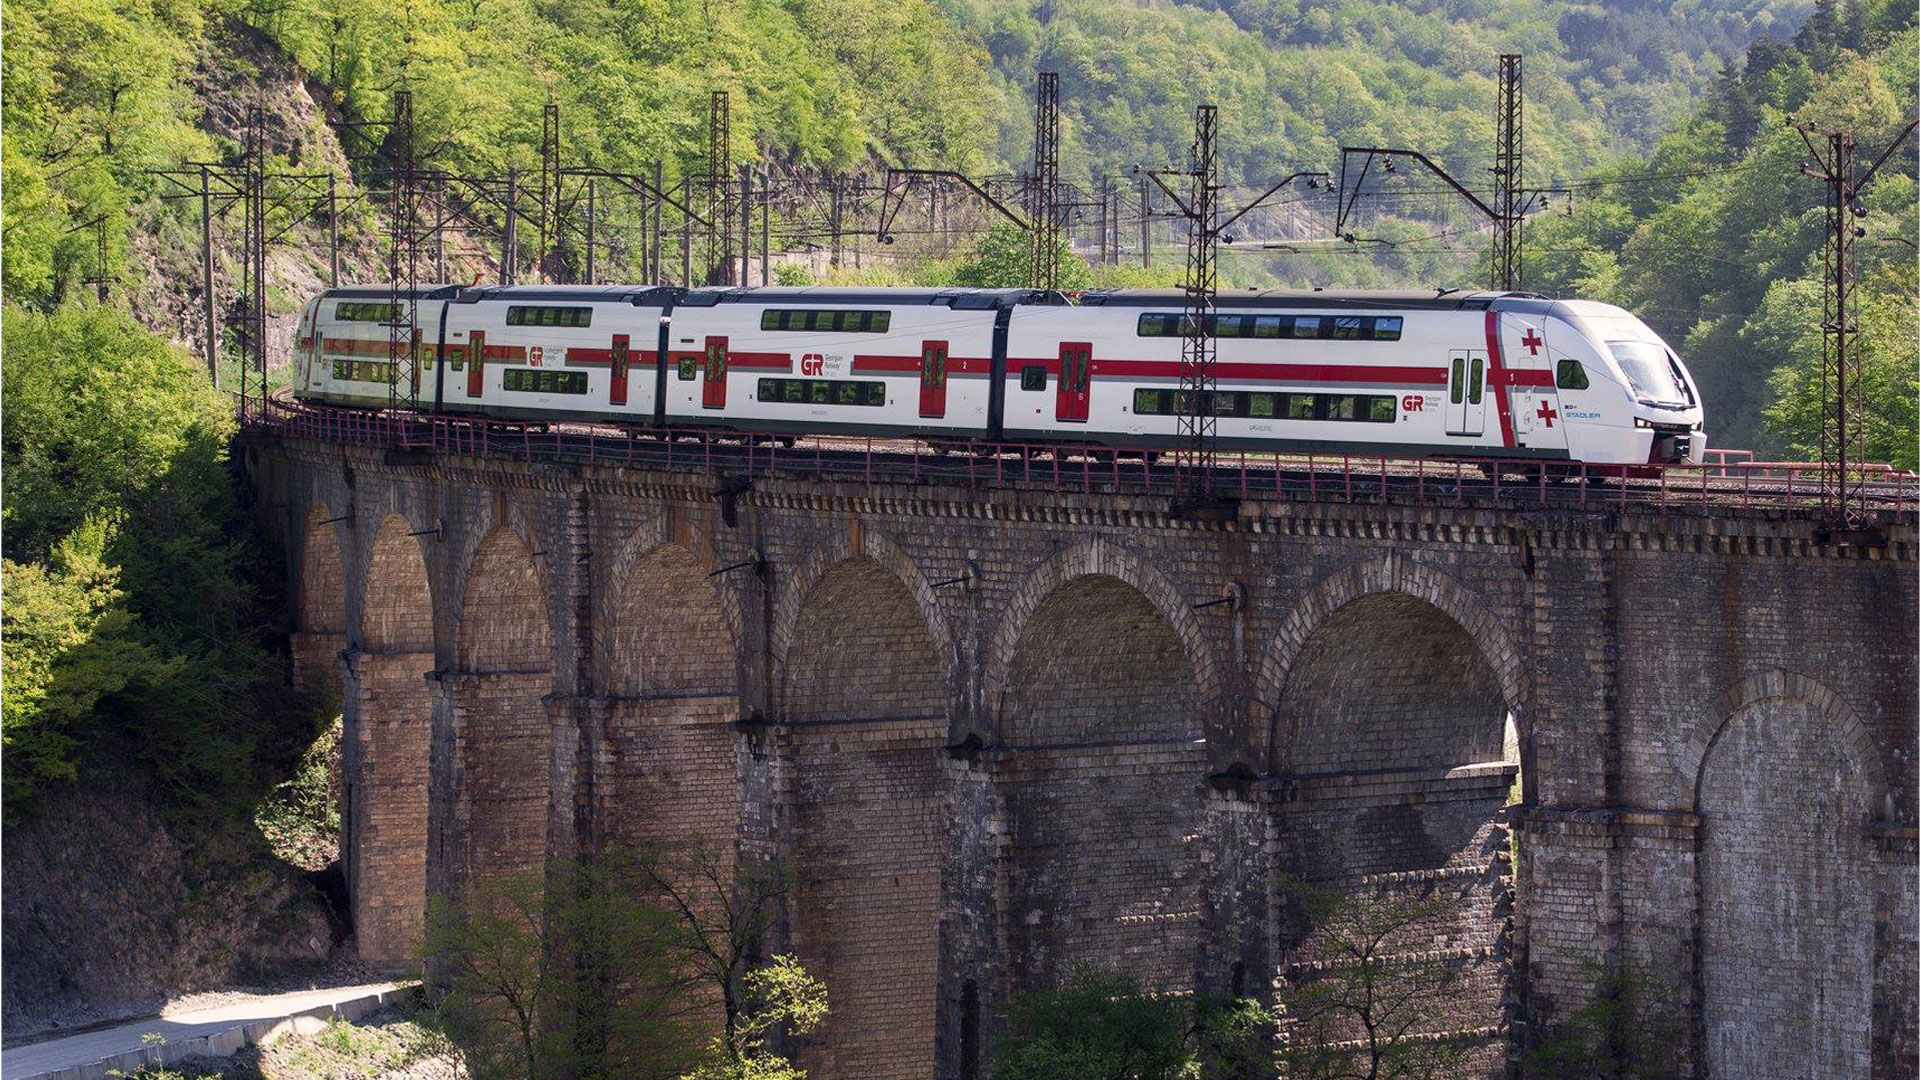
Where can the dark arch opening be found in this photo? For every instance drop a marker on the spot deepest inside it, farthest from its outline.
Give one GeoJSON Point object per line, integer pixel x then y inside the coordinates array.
{"type": "Point", "coordinates": [1102, 713]}
{"type": "Point", "coordinates": [1391, 732]}
{"type": "Point", "coordinates": [864, 690]}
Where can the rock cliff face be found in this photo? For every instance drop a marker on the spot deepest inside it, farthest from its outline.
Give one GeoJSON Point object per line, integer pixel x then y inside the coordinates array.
{"type": "Point", "coordinates": [108, 911]}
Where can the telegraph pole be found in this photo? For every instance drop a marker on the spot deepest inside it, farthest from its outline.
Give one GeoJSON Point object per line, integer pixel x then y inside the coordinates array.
{"type": "Point", "coordinates": [1842, 391]}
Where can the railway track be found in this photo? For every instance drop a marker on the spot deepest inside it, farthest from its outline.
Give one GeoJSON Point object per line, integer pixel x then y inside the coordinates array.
{"type": "Point", "coordinates": [1243, 476]}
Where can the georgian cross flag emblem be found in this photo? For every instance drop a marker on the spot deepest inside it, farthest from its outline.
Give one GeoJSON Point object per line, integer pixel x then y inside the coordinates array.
{"type": "Point", "coordinates": [1546, 413]}
{"type": "Point", "coordinates": [1533, 342]}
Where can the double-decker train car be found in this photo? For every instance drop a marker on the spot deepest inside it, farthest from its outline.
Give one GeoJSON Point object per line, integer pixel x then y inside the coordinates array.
{"type": "Point", "coordinates": [1430, 374]}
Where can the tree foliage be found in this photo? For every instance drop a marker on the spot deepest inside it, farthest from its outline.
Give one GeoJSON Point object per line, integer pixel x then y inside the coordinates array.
{"type": "Point", "coordinates": [610, 968]}
{"type": "Point", "coordinates": [137, 631]}
{"type": "Point", "coordinates": [1365, 1009]}
{"type": "Point", "coordinates": [1102, 1026]}
{"type": "Point", "coordinates": [1722, 250]}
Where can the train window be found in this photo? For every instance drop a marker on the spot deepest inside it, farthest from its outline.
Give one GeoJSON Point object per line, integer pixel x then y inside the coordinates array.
{"type": "Point", "coordinates": [1157, 324]}
{"type": "Point", "coordinates": [1473, 382]}
{"type": "Point", "coordinates": [1300, 407]}
{"type": "Point", "coordinates": [1033, 377]}
{"type": "Point", "coordinates": [1147, 402]}
{"type": "Point", "coordinates": [1225, 403]}
{"type": "Point", "coordinates": [1570, 375]}
{"type": "Point", "coordinates": [688, 367]}
{"type": "Point", "coordinates": [1338, 407]}
{"type": "Point", "coordinates": [822, 392]}
{"type": "Point", "coordinates": [1260, 406]}
{"type": "Point", "coordinates": [543, 381]}
{"type": "Point", "coordinates": [375, 371]}
{"type": "Point", "coordinates": [1456, 386]}
{"type": "Point", "coordinates": [363, 311]}
{"type": "Point", "coordinates": [1380, 409]}
{"type": "Point", "coordinates": [1338, 327]}
{"type": "Point", "coordinates": [829, 320]}
{"type": "Point", "coordinates": [518, 315]}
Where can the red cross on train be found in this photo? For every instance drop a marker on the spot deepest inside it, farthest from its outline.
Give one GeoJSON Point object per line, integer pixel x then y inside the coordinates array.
{"type": "Point", "coordinates": [1415, 374]}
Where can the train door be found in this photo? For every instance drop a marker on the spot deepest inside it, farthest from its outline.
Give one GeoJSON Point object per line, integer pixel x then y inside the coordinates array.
{"type": "Point", "coordinates": [1076, 378]}
{"type": "Point", "coordinates": [617, 388]}
{"type": "Point", "coordinates": [933, 378]}
{"type": "Point", "coordinates": [476, 363]}
{"type": "Point", "coordinates": [1466, 392]}
{"type": "Point", "coordinates": [713, 381]}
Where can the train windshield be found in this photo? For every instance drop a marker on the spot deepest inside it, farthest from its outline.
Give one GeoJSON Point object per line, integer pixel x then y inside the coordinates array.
{"type": "Point", "coordinates": [1653, 373]}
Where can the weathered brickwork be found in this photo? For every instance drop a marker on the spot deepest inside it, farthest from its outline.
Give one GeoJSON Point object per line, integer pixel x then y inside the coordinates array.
{"type": "Point", "coordinates": [864, 697]}
{"type": "Point", "coordinates": [392, 721]}
{"type": "Point", "coordinates": [999, 732]}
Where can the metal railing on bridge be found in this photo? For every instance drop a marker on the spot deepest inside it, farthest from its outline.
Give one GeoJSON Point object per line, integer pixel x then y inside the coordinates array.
{"type": "Point", "coordinates": [1721, 485]}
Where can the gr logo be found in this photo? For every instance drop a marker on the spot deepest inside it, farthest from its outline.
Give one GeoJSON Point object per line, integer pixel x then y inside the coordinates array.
{"type": "Point", "coordinates": [1413, 403]}
{"type": "Point", "coordinates": [812, 364]}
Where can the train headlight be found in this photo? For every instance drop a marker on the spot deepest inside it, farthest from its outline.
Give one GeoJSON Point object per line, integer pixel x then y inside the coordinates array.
{"type": "Point", "coordinates": [1640, 423]}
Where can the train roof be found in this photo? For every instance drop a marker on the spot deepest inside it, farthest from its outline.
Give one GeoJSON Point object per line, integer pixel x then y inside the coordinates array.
{"type": "Point", "coordinates": [834, 295]}
{"type": "Point", "coordinates": [1321, 299]}
{"type": "Point", "coordinates": [637, 295]}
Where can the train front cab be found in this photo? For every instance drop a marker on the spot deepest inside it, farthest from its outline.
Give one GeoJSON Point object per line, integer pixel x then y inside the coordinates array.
{"type": "Point", "coordinates": [1625, 395]}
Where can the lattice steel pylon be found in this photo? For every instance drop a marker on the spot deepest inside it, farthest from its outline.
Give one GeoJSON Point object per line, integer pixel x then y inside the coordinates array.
{"type": "Point", "coordinates": [719, 189]}
{"type": "Point", "coordinates": [549, 263]}
{"type": "Point", "coordinates": [403, 258]}
{"type": "Point", "coordinates": [1843, 398]}
{"type": "Point", "coordinates": [1199, 343]}
{"type": "Point", "coordinates": [1044, 198]}
{"type": "Point", "coordinates": [1509, 201]}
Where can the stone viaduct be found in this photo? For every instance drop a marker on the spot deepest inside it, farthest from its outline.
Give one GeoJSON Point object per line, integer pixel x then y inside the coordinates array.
{"type": "Point", "coordinates": [997, 733]}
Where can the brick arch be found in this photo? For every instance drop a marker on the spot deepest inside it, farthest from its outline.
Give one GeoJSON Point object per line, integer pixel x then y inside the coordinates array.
{"type": "Point", "coordinates": [1779, 684]}
{"type": "Point", "coordinates": [1099, 557]}
{"type": "Point", "coordinates": [503, 623]}
{"type": "Point", "coordinates": [1785, 877]}
{"type": "Point", "coordinates": [875, 548]}
{"type": "Point", "coordinates": [1097, 662]}
{"type": "Point", "coordinates": [639, 577]}
{"type": "Point", "coordinates": [396, 605]}
{"type": "Point", "coordinates": [388, 725]}
{"type": "Point", "coordinates": [504, 737]}
{"type": "Point", "coordinates": [1394, 575]}
{"type": "Point", "coordinates": [1099, 681]}
{"type": "Point", "coordinates": [323, 573]}
{"type": "Point", "coordinates": [865, 668]}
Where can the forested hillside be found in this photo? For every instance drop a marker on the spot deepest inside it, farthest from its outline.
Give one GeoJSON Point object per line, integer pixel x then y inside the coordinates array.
{"type": "Point", "coordinates": [140, 609]}
{"type": "Point", "coordinates": [1715, 237]}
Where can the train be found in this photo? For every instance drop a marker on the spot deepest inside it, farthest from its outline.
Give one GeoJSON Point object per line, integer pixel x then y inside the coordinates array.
{"type": "Point", "coordinates": [1441, 373]}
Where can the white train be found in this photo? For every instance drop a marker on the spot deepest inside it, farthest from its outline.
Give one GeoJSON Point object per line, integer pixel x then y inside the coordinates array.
{"type": "Point", "coordinates": [1447, 374]}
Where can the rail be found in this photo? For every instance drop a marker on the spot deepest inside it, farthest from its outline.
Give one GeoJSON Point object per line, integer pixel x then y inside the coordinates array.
{"type": "Point", "coordinates": [1725, 485]}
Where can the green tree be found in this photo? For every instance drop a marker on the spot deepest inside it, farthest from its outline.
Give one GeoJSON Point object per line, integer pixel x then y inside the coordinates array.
{"type": "Point", "coordinates": [1003, 259]}
{"type": "Point", "coordinates": [1102, 1026]}
{"type": "Point", "coordinates": [1628, 1029]}
{"type": "Point", "coordinates": [1888, 355]}
{"type": "Point", "coordinates": [1363, 1009]}
{"type": "Point", "coordinates": [130, 574]}
{"type": "Point", "coordinates": [572, 970]}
